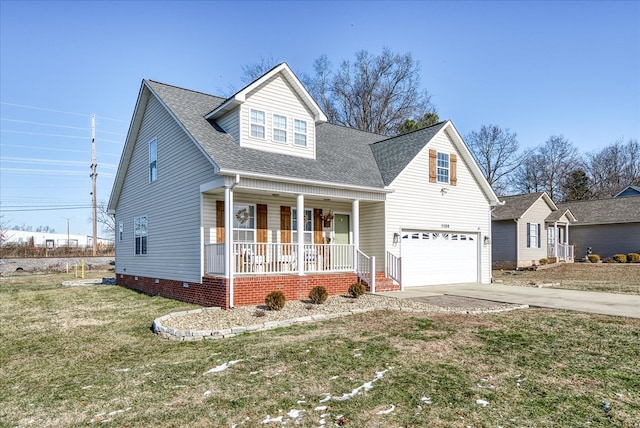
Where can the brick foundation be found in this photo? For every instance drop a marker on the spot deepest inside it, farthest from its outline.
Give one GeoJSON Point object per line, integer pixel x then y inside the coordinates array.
{"type": "Point", "coordinates": [248, 290]}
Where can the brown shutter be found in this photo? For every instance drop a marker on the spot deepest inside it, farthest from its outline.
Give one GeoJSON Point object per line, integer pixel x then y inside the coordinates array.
{"type": "Point", "coordinates": [219, 221]}
{"type": "Point", "coordinates": [285, 225]}
{"type": "Point", "coordinates": [261, 223]}
{"type": "Point", "coordinates": [453, 165]}
{"type": "Point", "coordinates": [317, 226]}
{"type": "Point", "coordinates": [433, 157]}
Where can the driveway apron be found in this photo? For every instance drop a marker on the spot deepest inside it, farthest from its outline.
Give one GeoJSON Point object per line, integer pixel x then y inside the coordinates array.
{"type": "Point", "coordinates": [624, 305]}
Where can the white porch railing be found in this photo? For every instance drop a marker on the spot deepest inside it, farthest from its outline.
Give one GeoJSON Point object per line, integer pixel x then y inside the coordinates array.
{"type": "Point", "coordinates": [565, 252]}
{"type": "Point", "coordinates": [366, 269]}
{"type": "Point", "coordinates": [394, 267]}
{"type": "Point", "coordinates": [277, 258]}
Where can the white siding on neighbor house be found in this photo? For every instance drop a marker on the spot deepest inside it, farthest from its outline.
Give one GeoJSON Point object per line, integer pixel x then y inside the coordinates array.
{"type": "Point", "coordinates": [230, 123]}
{"type": "Point", "coordinates": [277, 97]}
{"type": "Point", "coordinates": [503, 241]}
{"type": "Point", "coordinates": [171, 204]}
{"type": "Point", "coordinates": [418, 204]}
{"type": "Point", "coordinates": [372, 232]}
{"type": "Point", "coordinates": [536, 214]}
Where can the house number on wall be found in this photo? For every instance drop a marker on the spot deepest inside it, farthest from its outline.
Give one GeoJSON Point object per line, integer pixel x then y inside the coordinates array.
{"type": "Point", "coordinates": [445, 226]}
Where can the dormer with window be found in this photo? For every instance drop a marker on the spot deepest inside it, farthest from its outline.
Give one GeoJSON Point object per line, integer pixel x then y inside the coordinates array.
{"type": "Point", "coordinates": [274, 113]}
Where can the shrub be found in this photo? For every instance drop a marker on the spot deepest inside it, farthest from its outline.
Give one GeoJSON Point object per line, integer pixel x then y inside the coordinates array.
{"type": "Point", "coordinates": [620, 258]}
{"type": "Point", "coordinates": [594, 258]}
{"type": "Point", "coordinates": [275, 300]}
{"type": "Point", "coordinates": [633, 258]}
{"type": "Point", "coordinates": [318, 295]}
{"type": "Point", "coordinates": [543, 261]}
{"type": "Point", "coordinates": [356, 290]}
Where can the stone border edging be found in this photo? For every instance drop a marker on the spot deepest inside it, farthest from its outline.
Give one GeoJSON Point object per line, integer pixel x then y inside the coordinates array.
{"type": "Point", "coordinates": [193, 335]}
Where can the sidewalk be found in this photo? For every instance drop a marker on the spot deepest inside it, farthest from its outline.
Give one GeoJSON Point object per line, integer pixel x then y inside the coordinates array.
{"type": "Point", "coordinates": [624, 305]}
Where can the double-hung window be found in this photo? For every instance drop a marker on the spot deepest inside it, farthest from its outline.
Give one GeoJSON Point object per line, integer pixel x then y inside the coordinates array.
{"type": "Point", "coordinates": [533, 235]}
{"type": "Point", "coordinates": [257, 123]}
{"type": "Point", "coordinates": [442, 172]}
{"type": "Point", "coordinates": [153, 160]}
{"type": "Point", "coordinates": [244, 223]}
{"type": "Point", "coordinates": [279, 128]}
{"type": "Point", "coordinates": [300, 132]}
{"type": "Point", "coordinates": [140, 233]}
{"type": "Point", "coordinates": [120, 230]}
{"type": "Point", "coordinates": [308, 226]}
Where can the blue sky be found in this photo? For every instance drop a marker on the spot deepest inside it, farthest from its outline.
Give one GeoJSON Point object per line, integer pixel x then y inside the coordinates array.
{"type": "Point", "coordinates": [539, 68]}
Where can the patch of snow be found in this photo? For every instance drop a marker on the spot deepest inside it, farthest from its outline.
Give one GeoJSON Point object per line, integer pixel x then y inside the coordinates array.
{"type": "Point", "coordinates": [357, 355]}
{"type": "Point", "coordinates": [222, 367]}
{"type": "Point", "coordinates": [334, 377]}
{"type": "Point", "coordinates": [294, 414]}
{"type": "Point", "coordinates": [254, 373]}
{"type": "Point", "coordinates": [207, 393]}
{"type": "Point", "coordinates": [122, 370]}
{"type": "Point", "coordinates": [320, 408]}
{"type": "Point", "coordinates": [364, 387]}
{"type": "Point", "coordinates": [426, 400]}
{"type": "Point", "coordinates": [387, 411]}
{"type": "Point", "coordinates": [87, 387]}
{"type": "Point", "coordinates": [269, 420]}
{"type": "Point", "coordinates": [482, 403]}
{"type": "Point", "coordinates": [326, 398]}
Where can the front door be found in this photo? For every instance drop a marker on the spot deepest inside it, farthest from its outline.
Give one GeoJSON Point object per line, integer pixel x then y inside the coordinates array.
{"type": "Point", "coordinates": [341, 229]}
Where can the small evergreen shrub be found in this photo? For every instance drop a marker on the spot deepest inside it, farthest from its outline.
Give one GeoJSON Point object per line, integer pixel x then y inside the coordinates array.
{"type": "Point", "coordinates": [543, 261]}
{"type": "Point", "coordinates": [594, 258]}
{"type": "Point", "coordinates": [356, 290]}
{"type": "Point", "coordinates": [275, 300]}
{"type": "Point", "coordinates": [620, 258]}
{"type": "Point", "coordinates": [318, 295]}
{"type": "Point", "coordinates": [633, 258]}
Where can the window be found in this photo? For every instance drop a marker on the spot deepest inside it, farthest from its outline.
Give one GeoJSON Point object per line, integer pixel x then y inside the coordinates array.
{"type": "Point", "coordinates": [308, 226]}
{"type": "Point", "coordinates": [153, 160]}
{"type": "Point", "coordinates": [300, 131]}
{"type": "Point", "coordinates": [120, 230]}
{"type": "Point", "coordinates": [244, 223]}
{"type": "Point", "coordinates": [279, 128]}
{"type": "Point", "coordinates": [443, 168]}
{"type": "Point", "coordinates": [551, 236]}
{"type": "Point", "coordinates": [533, 235]}
{"type": "Point", "coordinates": [257, 123]}
{"type": "Point", "coordinates": [140, 234]}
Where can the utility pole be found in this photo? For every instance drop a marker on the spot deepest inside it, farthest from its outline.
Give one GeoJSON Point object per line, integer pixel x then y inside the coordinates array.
{"type": "Point", "coordinates": [94, 176]}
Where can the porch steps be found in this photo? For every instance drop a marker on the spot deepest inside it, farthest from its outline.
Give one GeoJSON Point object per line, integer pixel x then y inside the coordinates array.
{"type": "Point", "coordinates": [383, 283]}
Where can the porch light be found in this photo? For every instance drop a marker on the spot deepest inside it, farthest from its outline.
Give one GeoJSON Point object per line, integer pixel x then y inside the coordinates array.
{"type": "Point", "coordinates": [396, 238]}
{"type": "Point", "coordinates": [444, 191]}
{"type": "Point", "coordinates": [487, 240]}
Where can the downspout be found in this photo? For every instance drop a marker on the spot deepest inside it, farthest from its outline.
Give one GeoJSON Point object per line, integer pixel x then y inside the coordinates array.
{"type": "Point", "coordinates": [229, 239]}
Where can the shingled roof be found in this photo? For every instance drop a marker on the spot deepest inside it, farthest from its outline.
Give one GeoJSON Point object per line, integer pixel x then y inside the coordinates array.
{"type": "Point", "coordinates": [605, 211]}
{"type": "Point", "coordinates": [515, 206]}
{"type": "Point", "coordinates": [342, 154]}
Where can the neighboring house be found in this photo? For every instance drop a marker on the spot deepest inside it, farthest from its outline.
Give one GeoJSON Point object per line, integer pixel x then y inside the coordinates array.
{"type": "Point", "coordinates": [628, 191]}
{"type": "Point", "coordinates": [608, 226]}
{"type": "Point", "coordinates": [221, 201]}
{"type": "Point", "coordinates": [528, 228]}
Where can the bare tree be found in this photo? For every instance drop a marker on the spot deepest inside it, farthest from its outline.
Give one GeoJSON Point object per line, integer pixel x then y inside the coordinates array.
{"type": "Point", "coordinates": [546, 169]}
{"type": "Point", "coordinates": [614, 167]}
{"type": "Point", "coordinates": [496, 152]}
{"type": "Point", "coordinates": [251, 72]}
{"type": "Point", "coordinates": [106, 221]}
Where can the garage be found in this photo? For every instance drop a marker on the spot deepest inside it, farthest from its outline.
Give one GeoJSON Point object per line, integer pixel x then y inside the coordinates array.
{"type": "Point", "coordinates": [436, 257]}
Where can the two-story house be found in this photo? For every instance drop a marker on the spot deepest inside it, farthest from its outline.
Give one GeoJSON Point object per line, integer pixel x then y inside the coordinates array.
{"type": "Point", "coordinates": [220, 201]}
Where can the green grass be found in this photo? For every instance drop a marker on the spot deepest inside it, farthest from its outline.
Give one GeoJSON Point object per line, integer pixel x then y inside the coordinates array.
{"type": "Point", "coordinates": [69, 356]}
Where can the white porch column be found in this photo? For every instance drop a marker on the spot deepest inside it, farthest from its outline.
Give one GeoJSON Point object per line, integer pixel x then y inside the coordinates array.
{"type": "Point", "coordinates": [228, 240]}
{"type": "Point", "coordinates": [556, 238]}
{"type": "Point", "coordinates": [300, 230]}
{"type": "Point", "coordinates": [355, 215]}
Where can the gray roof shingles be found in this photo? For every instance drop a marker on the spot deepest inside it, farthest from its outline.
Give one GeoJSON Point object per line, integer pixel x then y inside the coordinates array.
{"type": "Point", "coordinates": [343, 155]}
{"type": "Point", "coordinates": [515, 206]}
{"type": "Point", "coordinates": [605, 211]}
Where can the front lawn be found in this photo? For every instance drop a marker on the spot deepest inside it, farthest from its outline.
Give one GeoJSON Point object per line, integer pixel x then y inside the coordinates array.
{"type": "Point", "coordinates": [72, 356]}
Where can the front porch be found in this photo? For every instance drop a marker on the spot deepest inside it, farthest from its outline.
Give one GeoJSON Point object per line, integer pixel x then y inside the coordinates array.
{"type": "Point", "coordinates": [560, 253]}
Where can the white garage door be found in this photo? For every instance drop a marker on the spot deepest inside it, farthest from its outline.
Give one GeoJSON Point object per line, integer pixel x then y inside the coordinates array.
{"type": "Point", "coordinates": [430, 258]}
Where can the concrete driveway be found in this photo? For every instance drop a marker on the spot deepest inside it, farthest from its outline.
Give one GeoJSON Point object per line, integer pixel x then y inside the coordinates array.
{"type": "Point", "coordinates": [623, 305]}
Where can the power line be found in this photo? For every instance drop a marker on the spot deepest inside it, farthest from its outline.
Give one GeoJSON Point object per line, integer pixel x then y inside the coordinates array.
{"type": "Point", "coordinates": [43, 124]}
{"type": "Point", "coordinates": [45, 209]}
{"type": "Point", "coordinates": [61, 111]}
{"type": "Point", "coordinates": [59, 135]}
{"type": "Point", "coordinates": [55, 149]}
{"type": "Point", "coordinates": [49, 172]}
{"type": "Point", "coordinates": [12, 159]}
